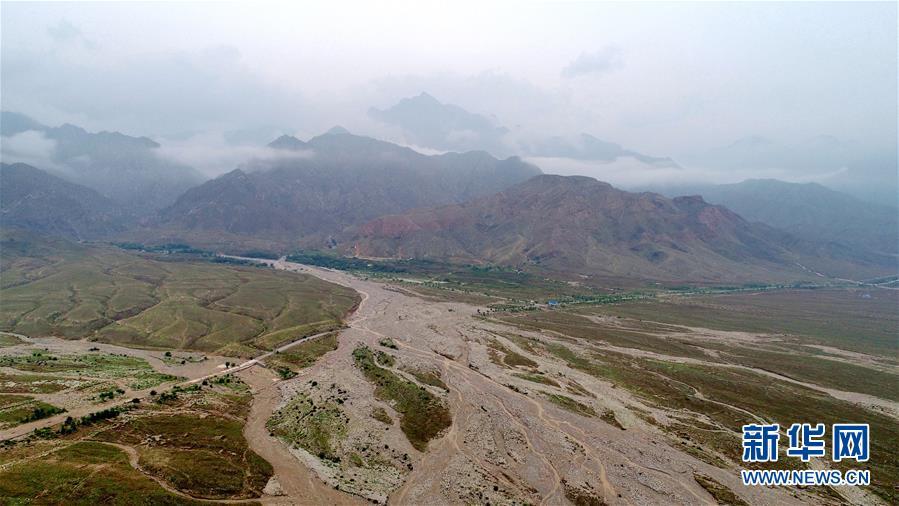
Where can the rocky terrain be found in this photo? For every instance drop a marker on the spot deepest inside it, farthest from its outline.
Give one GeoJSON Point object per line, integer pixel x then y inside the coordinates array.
{"type": "Point", "coordinates": [428, 402]}
{"type": "Point", "coordinates": [334, 180]}
{"type": "Point", "coordinates": [580, 225]}
{"type": "Point", "coordinates": [38, 201]}
{"type": "Point", "coordinates": [508, 442]}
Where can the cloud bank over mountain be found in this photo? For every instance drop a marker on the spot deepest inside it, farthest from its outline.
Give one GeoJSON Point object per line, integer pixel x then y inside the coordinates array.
{"type": "Point", "coordinates": [168, 72]}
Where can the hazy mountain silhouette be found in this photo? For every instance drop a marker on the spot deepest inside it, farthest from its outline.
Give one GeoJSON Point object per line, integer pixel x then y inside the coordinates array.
{"type": "Point", "coordinates": [126, 169]}
{"type": "Point", "coordinates": [42, 203]}
{"type": "Point", "coordinates": [428, 122]}
{"type": "Point", "coordinates": [807, 210]}
{"type": "Point", "coordinates": [342, 179]}
{"type": "Point", "coordinates": [839, 164]}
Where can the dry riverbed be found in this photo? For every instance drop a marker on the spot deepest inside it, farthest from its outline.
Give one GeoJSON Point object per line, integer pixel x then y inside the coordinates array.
{"type": "Point", "coordinates": [573, 437]}
{"type": "Point", "coordinates": [419, 401]}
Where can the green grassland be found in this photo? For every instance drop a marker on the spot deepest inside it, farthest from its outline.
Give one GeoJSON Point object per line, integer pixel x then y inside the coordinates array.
{"type": "Point", "coordinates": [446, 281]}
{"type": "Point", "coordinates": [16, 409]}
{"type": "Point", "coordinates": [10, 400]}
{"type": "Point", "coordinates": [58, 372]}
{"type": "Point", "coordinates": [380, 414]}
{"type": "Point", "coordinates": [92, 377]}
{"type": "Point", "coordinates": [202, 456]}
{"type": "Point", "coordinates": [422, 414]}
{"type": "Point", "coordinates": [863, 320]}
{"type": "Point", "coordinates": [536, 378]}
{"type": "Point", "coordinates": [317, 428]}
{"type": "Point", "coordinates": [503, 356]}
{"type": "Point", "coordinates": [786, 357]}
{"type": "Point", "coordinates": [139, 300]}
{"type": "Point", "coordinates": [428, 377]}
{"type": "Point", "coordinates": [571, 324]}
{"type": "Point", "coordinates": [9, 340]}
{"type": "Point", "coordinates": [721, 493]}
{"type": "Point", "coordinates": [570, 404]}
{"type": "Point", "coordinates": [84, 473]}
{"type": "Point", "coordinates": [507, 288]}
{"type": "Point", "coordinates": [304, 354]}
{"type": "Point", "coordinates": [37, 384]}
{"type": "Point", "coordinates": [429, 292]}
{"type": "Point", "coordinates": [191, 438]}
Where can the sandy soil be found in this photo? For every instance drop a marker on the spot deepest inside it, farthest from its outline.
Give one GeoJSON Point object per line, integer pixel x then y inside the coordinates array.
{"type": "Point", "coordinates": [297, 483]}
{"type": "Point", "coordinates": [507, 443]}
{"type": "Point", "coordinates": [504, 446]}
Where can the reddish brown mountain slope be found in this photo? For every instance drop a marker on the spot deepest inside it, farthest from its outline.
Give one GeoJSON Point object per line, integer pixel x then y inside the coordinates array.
{"type": "Point", "coordinates": [577, 224]}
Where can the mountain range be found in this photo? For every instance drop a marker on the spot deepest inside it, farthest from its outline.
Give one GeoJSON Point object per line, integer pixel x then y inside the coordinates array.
{"type": "Point", "coordinates": [34, 200]}
{"type": "Point", "coordinates": [807, 210]}
{"type": "Point", "coordinates": [577, 224]}
{"type": "Point", "coordinates": [361, 196]}
{"type": "Point", "coordinates": [839, 164]}
{"type": "Point", "coordinates": [330, 182]}
{"type": "Point", "coordinates": [129, 170]}
{"type": "Point", "coordinates": [427, 122]}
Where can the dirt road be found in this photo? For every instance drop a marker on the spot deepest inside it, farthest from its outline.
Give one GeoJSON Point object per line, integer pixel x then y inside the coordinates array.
{"type": "Point", "coordinates": [299, 484]}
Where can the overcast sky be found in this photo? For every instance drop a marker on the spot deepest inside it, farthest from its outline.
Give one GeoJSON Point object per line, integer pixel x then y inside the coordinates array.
{"type": "Point", "coordinates": [665, 79]}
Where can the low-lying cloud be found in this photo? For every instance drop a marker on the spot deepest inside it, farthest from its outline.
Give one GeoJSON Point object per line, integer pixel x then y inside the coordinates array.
{"type": "Point", "coordinates": [30, 147]}
{"type": "Point", "coordinates": [148, 94]}
{"type": "Point", "coordinates": [632, 174]}
{"type": "Point", "coordinates": [212, 155]}
{"type": "Point", "coordinates": [169, 71]}
{"type": "Point", "coordinates": [607, 59]}
{"type": "Point", "coordinates": [65, 32]}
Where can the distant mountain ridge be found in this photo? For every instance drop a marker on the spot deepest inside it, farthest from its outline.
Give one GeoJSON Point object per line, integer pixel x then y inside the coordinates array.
{"type": "Point", "coordinates": [367, 197]}
{"type": "Point", "coordinates": [126, 169]}
{"type": "Point", "coordinates": [447, 127]}
{"type": "Point", "coordinates": [34, 200]}
{"type": "Point", "coordinates": [288, 142]}
{"type": "Point", "coordinates": [579, 225]}
{"type": "Point", "coordinates": [12, 123]}
{"type": "Point", "coordinates": [839, 164]}
{"type": "Point", "coordinates": [807, 210]}
{"type": "Point", "coordinates": [588, 147]}
{"type": "Point", "coordinates": [433, 124]}
{"type": "Point", "coordinates": [345, 179]}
